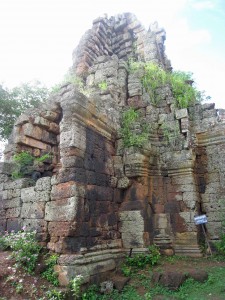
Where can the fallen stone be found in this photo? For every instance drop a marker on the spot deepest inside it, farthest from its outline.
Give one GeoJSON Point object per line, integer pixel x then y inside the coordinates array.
{"type": "Point", "coordinates": [198, 275]}
{"type": "Point", "coordinates": [171, 280]}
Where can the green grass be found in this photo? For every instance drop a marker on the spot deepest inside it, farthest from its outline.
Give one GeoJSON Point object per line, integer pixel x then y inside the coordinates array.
{"type": "Point", "coordinates": [213, 288]}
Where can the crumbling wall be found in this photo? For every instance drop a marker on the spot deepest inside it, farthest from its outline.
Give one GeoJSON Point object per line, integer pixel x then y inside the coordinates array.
{"type": "Point", "coordinates": [96, 198]}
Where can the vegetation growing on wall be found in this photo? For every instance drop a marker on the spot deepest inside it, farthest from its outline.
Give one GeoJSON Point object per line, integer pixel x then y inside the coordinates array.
{"type": "Point", "coordinates": [25, 163]}
{"type": "Point", "coordinates": [181, 83]}
{"type": "Point", "coordinates": [171, 133]}
{"type": "Point", "coordinates": [130, 118]}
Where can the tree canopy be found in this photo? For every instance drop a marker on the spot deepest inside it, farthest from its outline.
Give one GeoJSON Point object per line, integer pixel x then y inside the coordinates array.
{"type": "Point", "coordinates": [16, 100]}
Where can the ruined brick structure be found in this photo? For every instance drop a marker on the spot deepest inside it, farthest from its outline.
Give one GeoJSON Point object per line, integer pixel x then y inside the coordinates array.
{"type": "Point", "coordinates": [96, 199]}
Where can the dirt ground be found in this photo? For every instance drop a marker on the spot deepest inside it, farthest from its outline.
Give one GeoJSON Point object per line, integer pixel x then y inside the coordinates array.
{"type": "Point", "coordinates": [15, 284]}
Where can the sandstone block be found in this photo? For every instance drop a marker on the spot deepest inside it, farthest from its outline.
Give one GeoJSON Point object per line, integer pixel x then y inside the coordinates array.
{"type": "Point", "coordinates": [62, 210]}
{"type": "Point", "coordinates": [35, 224]}
{"type": "Point", "coordinates": [13, 212]}
{"type": "Point", "coordinates": [190, 199]}
{"type": "Point", "coordinates": [40, 121]}
{"type": "Point", "coordinates": [30, 195]}
{"type": "Point", "coordinates": [34, 211]}
{"type": "Point", "coordinates": [62, 228]}
{"type": "Point", "coordinates": [181, 113]}
{"type": "Point", "coordinates": [132, 229]}
{"type": "Point", "coordinates": [6, 168]}
{"type": "Point", "coordinates": [15, 202]}
{"type": "Point", "coordinates": [9, 194]}
{"type": "Point", "coordinates": [43, 184]}
{"type": "Point", "coordinates": [18, 184]}
{"type": "Point", "coordinates": [67, 190]}
{"type": "Point", "coordinates": [123, 183]}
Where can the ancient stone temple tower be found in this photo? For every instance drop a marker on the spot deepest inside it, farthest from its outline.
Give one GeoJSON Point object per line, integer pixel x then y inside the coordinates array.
{"type": "Point", "coordinates": [96, 198]}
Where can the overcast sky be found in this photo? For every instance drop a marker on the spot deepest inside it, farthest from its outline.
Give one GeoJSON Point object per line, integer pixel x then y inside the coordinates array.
{"type": "Point", "coordinates": [37, 37]}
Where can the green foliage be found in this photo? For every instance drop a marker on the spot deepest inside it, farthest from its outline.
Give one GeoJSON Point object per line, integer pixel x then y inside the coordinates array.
{"type": "Point", "coordinates": [154, 77]}
{"type": "Point", "coordinates": [75, 285]}
{"type": "Point", "coordinates": [141, 260]}
{"type": "Point", "coordinates": [77, 81]}
{"type": "Point", "coordinates": [25, 163]}
{"type": "Point", "coordinates": [220, 245]}
{"type": "Point", "coordinates": [55, 295]}
{"type": "Point", "coordinates": [171, 134]}
{"type": "Point", "coordinates": [135, 65]}
{"type": "Point", "coordinates": [126, 270]}
{"type": "Point", "coordinates": [3, 243]}
{"type": "Point", "coordinates": [25, 248]}
{"type": "Point", "coordinates": [184, 93]}
{"type": "Point", "coordinates": [15, 101]}
{"type": "Point", "coordinates": [129, 136]}
{"type": "Point", "coordinates": [91, 293]}
{"type": "Point", "coordinates": [103, 86]}
{"type": "Point", "coordinates": [49, 273]}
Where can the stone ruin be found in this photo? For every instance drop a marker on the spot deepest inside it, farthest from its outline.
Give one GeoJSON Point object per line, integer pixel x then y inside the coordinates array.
{"type": "Point", "coordinates": [97, 200]}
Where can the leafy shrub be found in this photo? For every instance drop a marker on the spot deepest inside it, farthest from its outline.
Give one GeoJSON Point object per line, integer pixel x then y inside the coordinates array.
{"type": "Point", "coordinates": [91, 293]}
{"type": "Point", "coordinates": [49, 273]}
{"type": "Point", "coordinates": [25, 163]}
{"type": "Point", "coordinates": [130, 138]}
{"type": "Point", "coordinates": [75, 285]}
{"type": "Point", "coordinates": [220, 245]}
{"type": "Point", "coordinates": [25, 248]}
{"type": "Point", "coordinates": [55, 295]}
{"type": "Point", "coordinates": [154, 77]}
{"type": "Point", "coordinates": [139, 261]}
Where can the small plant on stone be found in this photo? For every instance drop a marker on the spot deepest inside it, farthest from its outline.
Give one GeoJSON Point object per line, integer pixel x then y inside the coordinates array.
{"type": "Point", "coordinates": [25, 163]}
{"type": "Point", "coordinates": [103, 86]}
{"type": "Point", "coordinates": [131, 138]}
{"type": "Point", "coordinates": [49, 273]}
{"type": "Point", "coordinates": [25, 248]}
{"type": "Point", "coordinates": [140, 260]}
{"type": "Point", "coordinates": [171, 134]}
{"type": "Point", "coordinates": [134, 65]}
{"type": "Point", "coordinates": [154, 254]}
{"type": "Point", "coordinates": [75, 285]}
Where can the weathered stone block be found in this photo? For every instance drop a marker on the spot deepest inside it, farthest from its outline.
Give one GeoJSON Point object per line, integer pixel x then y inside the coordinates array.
{"type": "Point", "coordinates": [9, 194]}
{"type": "Point", "coordinates": [34, 211]}
{"type": "Point", "coordinates": [6, 168]}
{"type": "Point", "coordinates": [43, 184]}
{"type": "Point", "coordinates": [181, 113]}
{"type": "Point", "coordinates": [62, 228]}
{"type": "Point", "coordinates": [2, 225]}
{"type": "Point", "coordinates": [35, 224]}
{"type": "Point", "coordinates": [18, 184]}
{"type": "Point", "coordinates": [29, 195]}
{"type": "Point", "coordinates": [123, 183]}
{"type": "Point", "coordinates": [13, 212]}
{"type": "Point", "coordinates": [62, 210]}
{"type": "Point", "coordinates": [67, 190]}
{"type": "Point", "coordinates": [190, 199]}
{"type": "Point", "coordinates": [132, 229]}
{"type": "Point", "coordinates": [13, 224]}
{"type": "Point", "coordinates": [15, 202]}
